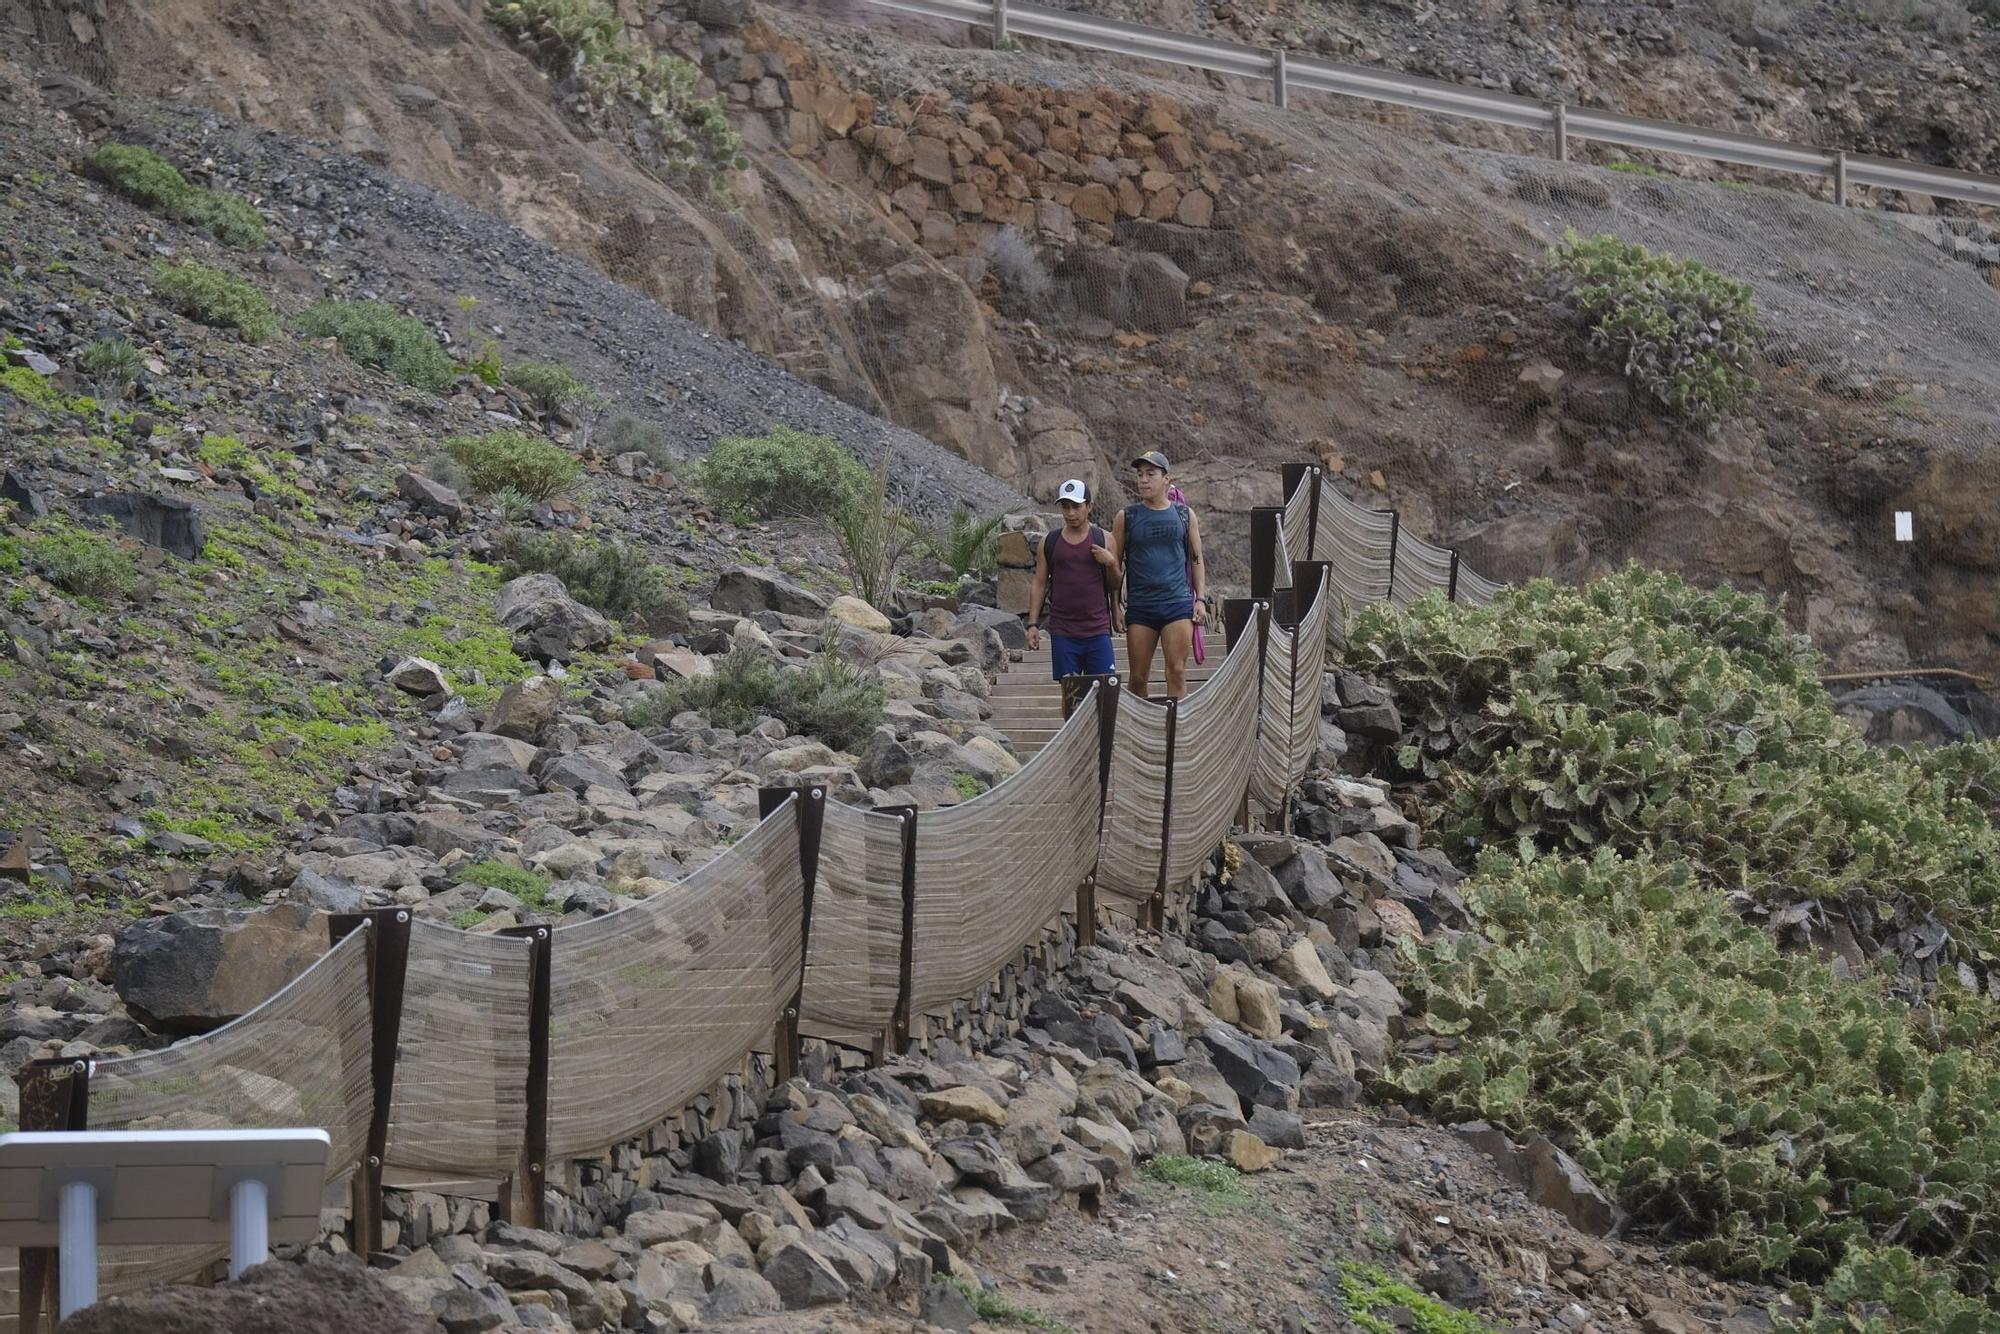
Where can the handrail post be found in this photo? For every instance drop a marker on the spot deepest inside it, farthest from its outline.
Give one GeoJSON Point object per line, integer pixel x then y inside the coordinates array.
{"type": "Point", "coordinates": [999, 25]}
{"type": "Point", "coordinates": [1451, 590]}
{"type": "Point", "coordinates": [812, 819]}
{"type": "Point", "coordinates": [1312, 514]}
{"type": "Point", "coordinates": [1559, 122]}
{"type": "Point", "coordinates": [906, 953]}
{"type": "Point", "coordinates": [529, 1183]}
{"type": "Point", "coordinates": [1840, 178]}
{"type": "Point", "coordinates": [1265, 521]}
{"type": "Point", "coordinates": [388, 966]}
{"type": "Point", "coordinates": [55, 1095]}
{"type": "Point", "coordinates": [1166, 821]}
{"type": "Point", "coordinates": [1280, 95]}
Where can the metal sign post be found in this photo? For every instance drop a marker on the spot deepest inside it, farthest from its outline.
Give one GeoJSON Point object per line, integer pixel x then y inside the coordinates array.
{"type": "Point", "coordinates": [77, 1189]}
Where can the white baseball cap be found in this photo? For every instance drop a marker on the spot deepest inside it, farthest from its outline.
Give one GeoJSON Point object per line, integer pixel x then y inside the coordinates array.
{"type": "Point", "coordinates": [1075, 490]}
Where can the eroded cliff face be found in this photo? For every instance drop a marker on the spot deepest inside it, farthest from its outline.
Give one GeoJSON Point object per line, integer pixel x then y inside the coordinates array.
{"type": "Point", "coordinates": [1046, 266]}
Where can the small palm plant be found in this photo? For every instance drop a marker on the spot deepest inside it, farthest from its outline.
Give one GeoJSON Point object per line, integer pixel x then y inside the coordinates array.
{"type": "Point", "coordinates": [111, 365]}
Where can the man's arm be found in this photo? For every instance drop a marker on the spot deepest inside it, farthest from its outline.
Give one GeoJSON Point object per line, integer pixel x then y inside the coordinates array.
{"type": "Point", "coordinates": [1035, 591]}
{"type": "Point", "coordinates": [1118, 571]}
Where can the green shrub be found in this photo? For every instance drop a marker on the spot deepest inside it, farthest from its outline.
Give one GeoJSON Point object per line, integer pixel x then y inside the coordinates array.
{"type": "Point", "coordinates": [1202, 1174]}
{"type": "Point", "coordinates": [215, 298]}
{"type": "Point", "coordinates": [148, 179]}
{"type": "Point", "coordinates": [111, 365]}
{"type": "Point", "coordinates": [967, 786]}
{"type": "Point", "coordinates": [966, 547]}
{"type": "Point", "coordinates": [531, 889]}
{"type": "Point", "coordinates": [551, 386]}
{"type": "Point", "coordinates": [82, 562]}
{"type": "Point", "coordinates": [1380, 1304]}
{"type": "Point", "coordinates": [828, 699]}
{"type": "Point", "coordinates": [1642, 713]}
{"type": "Point", "coordinates": [586, 39]}
{"type": "Point", "coordinates": [786, 474]}
{"type": "Point", "coordinates": [1652, 768]}
{"type": "Point", "coordinates": [1677, 329]}
{"type": "Point", "coordinates": [626, 434]}
{"type": "Point", "coordinates": [1742, 1098]}
{"type": "Point", "coordinates": [1889, 1291]}
{"type": "Point", "coordinates": [376, 334]}
{"type": "Point", "coordinates": [606, 575]}
{"type": "Point", "coordinates": [875, 538]}
{"type": "Point", "coordinates": [536, 468]}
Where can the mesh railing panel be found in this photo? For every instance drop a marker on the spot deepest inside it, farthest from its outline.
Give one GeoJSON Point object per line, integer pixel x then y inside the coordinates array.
{"type": "Point", "coordinates": [460, 1102]}
{"type": "Point", "coordinates": [1420, 568]}
{"type": "Point", "coordinates": [1211, 762]}
{"type": "Point", "coordinates": [857, 927]}
{"type": "Point", "coordinates": [1312, 634]}
{"type": "Point", "coordinates": [1475, 589]}
{"type": "Point", "coordinates": [1270, 760]}
{"type": "Point", "coordinates": [993, 872]}
{"type": "Point", "coordinates": [302, 1058]}
{"type": "Point", "coordinates": [1128, 863]}
{"type": "Point", "coordinates": [1294, 533]}
{"type": "Point", "coordinates": [652, 1004]}
{"type": "Point", "coordinates": [1356, 544]}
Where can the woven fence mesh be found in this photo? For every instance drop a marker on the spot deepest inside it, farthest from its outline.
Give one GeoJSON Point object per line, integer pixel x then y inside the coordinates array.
{"type": "Point", "coordinates": [993, 873]}
{"type": "Point", "coordinates": [303, 1058]}
{"type": "Point", "coordinates": [1211, 761]}
{"type": "Point", "coordinates": [460, 1101]}
{"type": "Point", "coordinates": [854, 962]}
{"type": "Point", "coordinates": [653, 1004]}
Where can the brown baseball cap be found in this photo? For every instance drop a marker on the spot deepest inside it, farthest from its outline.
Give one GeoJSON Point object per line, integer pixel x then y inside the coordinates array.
{"type": "Point", "coordinates": [1154, 457]}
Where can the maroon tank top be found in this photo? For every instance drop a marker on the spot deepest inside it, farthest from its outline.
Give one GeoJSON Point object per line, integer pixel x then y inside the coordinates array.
{"type": "Point", "coordinates": [1076, 587]}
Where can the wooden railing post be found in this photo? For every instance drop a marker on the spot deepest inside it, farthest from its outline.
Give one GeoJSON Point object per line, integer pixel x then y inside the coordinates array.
{"type": "Point", "coordinates": [812, 820]}
{"type": "Point", "coordinates": [901, 1020]}
{"type": "Point", "coordinates": [529, 1184]}
{"type": "Point", "coordinates": [55, 1095]}
{"type": "Point", "coordinates": [1265, 523]}
{"type": "Point", "coordinates": [388, 965]}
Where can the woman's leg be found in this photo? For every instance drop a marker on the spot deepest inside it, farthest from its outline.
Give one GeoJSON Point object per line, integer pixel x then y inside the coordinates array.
{"type": "Point", "coordinates": [1176, 643]}
{"type": "Point", "coordinates": [1140, 641]}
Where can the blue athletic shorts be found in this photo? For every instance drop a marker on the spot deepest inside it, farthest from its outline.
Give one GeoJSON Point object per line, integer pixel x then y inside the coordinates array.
{"type": "Point", "coordinates": [1081, 655]}
{"type": "Point", "coordinates": [1159, 618]}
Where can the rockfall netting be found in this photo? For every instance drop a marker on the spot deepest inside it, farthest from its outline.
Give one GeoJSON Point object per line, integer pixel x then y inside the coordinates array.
{"type": "Point", "coordinates": [854, 960]}
{"type": "Point", "coordinates": [1271, 747]}
{"type": "Point", "coordinates": [460, 1102]}
{"type": "Point", "coordinates": [652, 1004]}
{"type": "Point", "coordinates": [1356, 544]}
{"type": "Point", "coordinates": [995, 871]}
{"type": "Point", "coordinates": [1211, 761]}
{"type": "Point", "coordinates": [302, 1058]}
{"type": "Point", "coordinates": [1306, 672]}
{"type": "Point", "coordinates": [1128, 863]}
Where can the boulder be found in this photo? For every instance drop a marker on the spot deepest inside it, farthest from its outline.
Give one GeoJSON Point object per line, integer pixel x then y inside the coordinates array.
{"type": "Point", "coordinates": [1300, 965]}
{"type": "Point", "coordinates": [748, 589]}
{"type": "Point", "coordinates": [174, 525]}
{"type": "Point", "coordinates": [974, 620]}
{"type": "Point", "coordinates": [547, 622]}
{"type": "Point", "coordinates": [429, 496]}
{"type": "Point", "coordinates": [963, 1103]}
{"type": "Point", "coordinates": [524, 708]}
{"type": "Point", "coordinates": [735, 1292]}
{"type": "Point", "coordinates": [1246, 1153]}
{"type": "Point", "coordinates": [190, 972]}
{"type": "Point", "coordinates": [1155, 293]}
{"type": "Point", "coordinates": [1904, 714]}
{"type": "Point", "coordinates": [419, 676]}
{"type": "Point", "coordinates": [1256, 1071]}
{"type": "Point", "coordinates": [801, 1278]}
{"type": "Point", "coordinates": [853, 611]}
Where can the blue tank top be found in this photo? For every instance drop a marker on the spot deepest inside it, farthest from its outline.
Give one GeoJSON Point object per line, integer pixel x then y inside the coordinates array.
{"type": "Point", "coordinates": [1156, 557]}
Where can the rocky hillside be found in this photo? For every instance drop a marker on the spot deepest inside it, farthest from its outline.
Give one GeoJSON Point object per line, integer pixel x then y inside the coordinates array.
{"type": "Point", "coordinates": [1042, 260]}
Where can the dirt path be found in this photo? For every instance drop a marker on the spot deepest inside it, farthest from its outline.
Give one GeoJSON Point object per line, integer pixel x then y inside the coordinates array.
{"type": "Point", "coordinates": [1417, 1199]}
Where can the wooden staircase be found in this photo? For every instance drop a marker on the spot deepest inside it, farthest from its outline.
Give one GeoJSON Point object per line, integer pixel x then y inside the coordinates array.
{"type": "Point", "coordinates": [1027, 703]}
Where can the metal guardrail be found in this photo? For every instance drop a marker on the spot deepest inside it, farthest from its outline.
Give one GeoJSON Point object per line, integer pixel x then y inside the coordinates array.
{"type": "Point", "coordinates": [1286, 71]}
